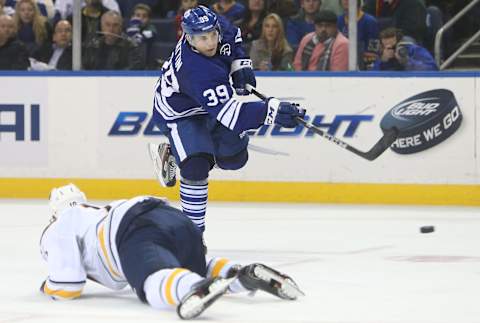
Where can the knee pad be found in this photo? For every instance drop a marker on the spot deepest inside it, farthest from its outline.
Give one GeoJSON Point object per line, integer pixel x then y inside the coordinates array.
{"type": "Point", "coordinates": [196, 168]}
{"type": "Point", "coordinates": [233, 162]}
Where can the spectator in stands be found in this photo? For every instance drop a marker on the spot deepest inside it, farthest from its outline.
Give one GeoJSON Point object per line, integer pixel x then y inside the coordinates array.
{"type": "Point", "coordinates": [407, 15]}
{"type": "Point", "coordinates": [64, 8]}
{"type": "Point", "coordinates": [6, 10]}
{"type": "Point", "coordinates": [111, 50]}
{"type": "Point", "coordinates": [230, 9]}
{"type": "Point", "coordinates": [251, 26]}
{"type": "Point", "coordinates": [11, 28]}
{"type": "Point", "coordinates": [169, 8]}
{"type": "Point", "coordinates": [13, 54]}
{"type": "Point", "coordinates": [33, 29]}
{"type": "Point", "coordinates": [285, 9]}
{"type": "Point", "coordinates": [47, 8]}
{"type": "Point", "coordinates": [142, 32]}
{"type": "Point", "coordinates": [398, 54]}
{"type": "Point", "coordinates": [91, 19]}
{"type": "Point", "coordinates": [332, 5]}
{"type": "Point", "coordinates": [367, 34]}
{"type": "Point", "coordinates": [128, 6]}
{"type": "Point", "coordinates": [271, 52]}
{"type": "Point", "coordinates": [303, 22]}
{"type": "Point", "coordinates": [325, 49]}
{"type": "Point", "coordinates": [56, 55]}
{"type": "Point", "coordinates": [184, 6]}
{"type": "Point", "coordinates": [44, 6]}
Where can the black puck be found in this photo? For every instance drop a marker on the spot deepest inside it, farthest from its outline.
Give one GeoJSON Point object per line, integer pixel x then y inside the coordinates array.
{"type": "Point", "coordinates": [427, 229]}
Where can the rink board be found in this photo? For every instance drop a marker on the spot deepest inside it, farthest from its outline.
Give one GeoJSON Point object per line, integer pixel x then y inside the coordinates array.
{"type": "Point", "coordinates": [94, 128]}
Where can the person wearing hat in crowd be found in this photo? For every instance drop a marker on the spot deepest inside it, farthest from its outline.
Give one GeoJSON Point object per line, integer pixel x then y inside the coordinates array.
{"type": "Point", "coordinates": [325, 49]}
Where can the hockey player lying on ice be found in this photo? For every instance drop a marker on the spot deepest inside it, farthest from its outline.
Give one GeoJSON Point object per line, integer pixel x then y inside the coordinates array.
{"type": "Point", "coordinates": [145, 243]}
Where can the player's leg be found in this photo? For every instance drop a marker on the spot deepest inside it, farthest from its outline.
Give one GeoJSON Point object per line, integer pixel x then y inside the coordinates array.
{"type": "Point", "coordinates": [232, 162]}
{"type": "Point", "coordinates": [230, 149]}
{"type": "Point", "coordinates": [192, 146]}
{"type": "Point", "coordinates": [158, 279]}
{"type": "Point", "coordinates": [194, 172]}
{"type": "Point", "coordinates": [157, 274]}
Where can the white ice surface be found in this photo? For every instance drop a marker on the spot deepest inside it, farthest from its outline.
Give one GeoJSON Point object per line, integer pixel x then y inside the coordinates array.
{"type": "Point", "coordinates": [356, 264]}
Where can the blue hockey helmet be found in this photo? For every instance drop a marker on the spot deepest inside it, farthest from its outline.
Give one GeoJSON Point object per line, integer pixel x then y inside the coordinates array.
{"type": "Point", "coordinates": [199, 20]}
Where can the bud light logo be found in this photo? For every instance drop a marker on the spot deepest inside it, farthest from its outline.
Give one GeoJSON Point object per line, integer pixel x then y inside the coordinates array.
{"type": "Point", "coordinates": [19, 122]}
{"type": "Point", "coordinates": [135, 123]}
{"type": "Point", "coordinates": [420, 107]}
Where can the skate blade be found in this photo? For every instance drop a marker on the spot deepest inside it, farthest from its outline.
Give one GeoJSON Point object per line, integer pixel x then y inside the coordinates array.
{"type": "Point", "coordinates": [288, 289]}
{"type": "Point", "coordinates": [195, 305]}
{"type": "Point", "coordinates": [157, 167]}
{"type": "Point", "coordinates": [152, 150]}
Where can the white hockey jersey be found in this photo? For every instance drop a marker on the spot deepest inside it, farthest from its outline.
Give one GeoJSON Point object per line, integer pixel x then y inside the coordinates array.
{"type": "Point", "coordinates": [80, 244]}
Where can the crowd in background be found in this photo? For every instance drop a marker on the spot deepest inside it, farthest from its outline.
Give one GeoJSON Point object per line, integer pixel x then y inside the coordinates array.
{"type": "Point", "coordinates": [279, 35]}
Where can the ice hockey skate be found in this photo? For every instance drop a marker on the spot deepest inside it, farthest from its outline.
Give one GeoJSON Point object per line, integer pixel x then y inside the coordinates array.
{"type": "Point", "coordinates": [261, 277]}
{"type": "Point", "coordinates": [203, 294]}
{"type": "Point", "coordinates": [163, 164]}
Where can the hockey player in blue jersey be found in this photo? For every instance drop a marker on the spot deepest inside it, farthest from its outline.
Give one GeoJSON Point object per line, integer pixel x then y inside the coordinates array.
{"type": "Point", "coordinates": [195, 108]}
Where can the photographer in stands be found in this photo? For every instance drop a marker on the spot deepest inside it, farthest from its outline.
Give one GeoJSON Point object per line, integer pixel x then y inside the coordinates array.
{"type": "Point", "coordinates": [397, 54]}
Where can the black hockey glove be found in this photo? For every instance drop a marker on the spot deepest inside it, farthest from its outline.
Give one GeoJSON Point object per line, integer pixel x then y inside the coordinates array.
{"type": "Point", "coordinates": [242, 74]}
{"type": "Point", "coordinates": [283, 114]}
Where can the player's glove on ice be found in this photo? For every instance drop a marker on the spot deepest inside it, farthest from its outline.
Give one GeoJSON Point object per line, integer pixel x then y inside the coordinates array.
{"type": "Point", "coordinates": [283, 114]}
{"type": "Point", "coordinates": [242, 74]}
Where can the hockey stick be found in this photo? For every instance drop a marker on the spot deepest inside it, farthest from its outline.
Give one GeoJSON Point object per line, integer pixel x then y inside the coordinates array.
{"type": "Point", "coordinates": [388, 138]}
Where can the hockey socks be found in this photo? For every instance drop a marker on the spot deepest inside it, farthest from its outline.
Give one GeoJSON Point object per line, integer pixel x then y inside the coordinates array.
{"type": "Point", "coordinates": [167, 287]}
{"type": "Point", "coordinates": [222, 267]}
{"type": "Point", "coordinates": [193, 196]}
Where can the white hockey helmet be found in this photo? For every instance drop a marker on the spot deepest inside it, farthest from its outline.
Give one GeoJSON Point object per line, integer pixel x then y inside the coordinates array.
{"type": "Point", "coordinates": [64, 197]}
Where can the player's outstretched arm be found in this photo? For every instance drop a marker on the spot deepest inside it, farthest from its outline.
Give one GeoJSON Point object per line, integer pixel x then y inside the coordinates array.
{"type": "Point", "coordinates": [213, 92]}
{"type": "Point", "coordinates": [240, 116]}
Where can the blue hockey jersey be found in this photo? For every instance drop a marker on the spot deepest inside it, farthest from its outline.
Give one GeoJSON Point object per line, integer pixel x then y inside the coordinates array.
{"type": "Point", "coordinates": [193, 84]}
